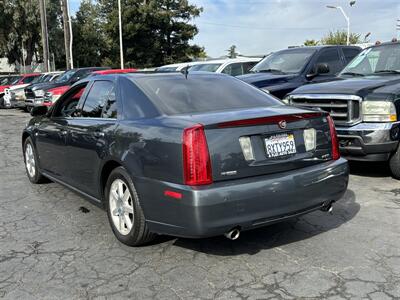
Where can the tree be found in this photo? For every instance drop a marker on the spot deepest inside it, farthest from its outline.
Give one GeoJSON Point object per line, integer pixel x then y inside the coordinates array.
{"type": "Point", "coordinates": [89, 39]}
{"type": "Point", "coordinates": [310, 43]}
{"type": "Point", "coordinates": [20, 31]}
{"type": "Point", "coordinates": [232, 52]}
{"type": "Point", "coordinates": [56, 33]}
{"type": "Point", "coordinates": [339, 37]}
{"type": "Point", "coordinates": [17, 16]}
{"type": "Point", "coordinates": [155, 32]}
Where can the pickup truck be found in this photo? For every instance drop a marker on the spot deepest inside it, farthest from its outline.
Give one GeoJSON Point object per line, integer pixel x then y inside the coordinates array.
{"type": "Point", "coordinates": [364, 102]}
{"type": "Point", "coordinates": [35, 95]}
{"type": "Point", "coordinates": [283, 71]}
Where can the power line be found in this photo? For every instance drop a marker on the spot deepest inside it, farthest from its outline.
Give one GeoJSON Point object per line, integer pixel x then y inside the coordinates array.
{"type": "Point", "coordinates": [259, 28]}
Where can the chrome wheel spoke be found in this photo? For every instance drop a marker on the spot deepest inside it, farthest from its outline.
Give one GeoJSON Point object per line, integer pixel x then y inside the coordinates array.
{"type": "Point", "coordinates": [128, 209]}
{"type": "Point", "coordinates": [121, 208]}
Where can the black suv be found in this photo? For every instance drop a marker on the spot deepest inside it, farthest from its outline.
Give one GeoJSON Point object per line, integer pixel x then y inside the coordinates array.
{"type": "Point", "coordinates": [283, 71]}
{"type": "Point", "coordinates": [364, 102]}
{"type": "Point", "coordinates": [35, 94]}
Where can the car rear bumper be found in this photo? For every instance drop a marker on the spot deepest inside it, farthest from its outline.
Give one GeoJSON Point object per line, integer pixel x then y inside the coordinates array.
{"type": "Point", "coordinates": [369, 141]}
{"type": "Point", "coordinates": [243, 203]}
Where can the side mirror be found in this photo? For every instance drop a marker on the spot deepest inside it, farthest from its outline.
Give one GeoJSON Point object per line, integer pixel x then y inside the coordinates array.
{"type": "Point", "coordinates": [75, 79]}
{"type": "Point", "coordinates": [321, 68]}
{"type": "Point", "coordinates": [39, 111]}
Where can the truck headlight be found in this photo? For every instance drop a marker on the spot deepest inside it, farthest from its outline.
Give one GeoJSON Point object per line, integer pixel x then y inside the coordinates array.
{"type": "Point", "coordinates": [39, 93]}
{"type": "Point", "coordinates": [378, 111]}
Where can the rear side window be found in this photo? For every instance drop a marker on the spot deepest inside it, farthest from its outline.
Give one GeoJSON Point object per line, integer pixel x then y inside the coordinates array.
{"type": "Point", "coordinates": [332, 59]}
{"type": "Point", "coordinates": [99, 100]}
{"type": "Point", "coordinates": [202, 93]}
{"type": "Point", "coordinates": [350, 53]}
{"type": "Point", "coordinates": [247, 66]}
{"type": "Point", "coordinates": [233, 69]}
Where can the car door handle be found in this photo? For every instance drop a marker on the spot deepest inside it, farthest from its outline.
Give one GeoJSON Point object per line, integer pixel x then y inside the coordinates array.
{"type": "Point", "coordinates": [98, 134]}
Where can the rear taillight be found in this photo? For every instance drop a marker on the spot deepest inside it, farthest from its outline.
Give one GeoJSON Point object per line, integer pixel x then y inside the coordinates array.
{"type": "Point", "coordinates": [196, 158]}
{"type": "Point", "coordinates": [334, 139]}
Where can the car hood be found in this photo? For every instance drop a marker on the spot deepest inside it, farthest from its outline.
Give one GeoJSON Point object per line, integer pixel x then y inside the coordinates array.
{"type": "Point", "coordinates": [266, 79]}
{"type": "Point", "coordinates": [18, 86]}
{"type": "Point", "coordinates": [355, 86]}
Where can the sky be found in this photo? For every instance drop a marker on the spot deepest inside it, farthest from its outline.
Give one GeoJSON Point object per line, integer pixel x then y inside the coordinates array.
{"type": "Point", "coordinates": [258, 27]}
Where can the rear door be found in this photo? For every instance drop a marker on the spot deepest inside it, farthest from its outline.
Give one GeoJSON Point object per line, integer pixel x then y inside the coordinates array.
{"type": "Point", "coordinates": [87, 140]}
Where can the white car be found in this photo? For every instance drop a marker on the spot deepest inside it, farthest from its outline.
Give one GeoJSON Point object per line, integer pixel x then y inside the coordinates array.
{"type": "Point", "coordinates": [14, 96]}
{"type": "Point", "coordinates": [231, 66]}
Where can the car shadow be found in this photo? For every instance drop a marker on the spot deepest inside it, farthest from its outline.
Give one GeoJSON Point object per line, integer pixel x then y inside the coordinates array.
{"type": "Point", "coordinates": [369, 169]}
{"type": "Point", "coordinates": [298, 229]}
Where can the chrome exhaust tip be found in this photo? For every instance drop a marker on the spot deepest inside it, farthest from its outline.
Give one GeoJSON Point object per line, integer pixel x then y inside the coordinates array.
{"type": "Point", "coordinates": [233, 234]}
{"type": "Point", "coordinates": [328, 208]}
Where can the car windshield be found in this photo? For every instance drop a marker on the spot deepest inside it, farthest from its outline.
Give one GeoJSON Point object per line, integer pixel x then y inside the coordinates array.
{"type": "Point", "coordinates": [66, 76]}
{"type": "Point", "coordinates": [14, 80]}
{"type": "Point", "coordinates": [375, 60]}
{"type": "Point", "coordinates": [202, 93]}
{"type": "Point", "coordinates": [38, 79]}
{"type": "Point", "coordinates": [212, 67]}
{"type": "Point", "coordinates": [288, 61]}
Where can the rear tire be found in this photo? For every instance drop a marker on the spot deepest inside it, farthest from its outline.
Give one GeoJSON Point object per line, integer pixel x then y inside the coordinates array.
{"type": "Point", "coordinates": [394, 163]}
{"type": "Point", "coordinates": [2, 105]}
{"type": "Point", "coordinates": [31, 163]}
{"type": "Point", "coordinates": [124, 211]}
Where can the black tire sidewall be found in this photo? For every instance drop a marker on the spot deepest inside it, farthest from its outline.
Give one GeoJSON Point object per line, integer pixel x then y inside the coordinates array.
{"type": "Point", "coordinates": [132, 238]}
{"type": "Point", "coordinates": [37, 176]}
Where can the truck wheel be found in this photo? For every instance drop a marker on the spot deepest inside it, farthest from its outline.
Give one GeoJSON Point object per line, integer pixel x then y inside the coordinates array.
{"type": "Point", "coordinates": [394, 163]}
{"type": "Point", "coordinates": [124, 211]}
{"type": "Point", "coordinates": [2, 103]}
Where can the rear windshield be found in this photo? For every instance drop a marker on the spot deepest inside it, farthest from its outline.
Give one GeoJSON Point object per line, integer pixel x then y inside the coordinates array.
{"type": "Point", "coordinates": [202, 93]}
{"type": "Point", "coordinates": [205, 67]}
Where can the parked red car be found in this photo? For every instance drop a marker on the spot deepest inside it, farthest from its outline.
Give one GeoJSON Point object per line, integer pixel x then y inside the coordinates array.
{"type": "Point", "coordinates": [53, 94]}
{"type": "Point", "coordinates": [17, 79]}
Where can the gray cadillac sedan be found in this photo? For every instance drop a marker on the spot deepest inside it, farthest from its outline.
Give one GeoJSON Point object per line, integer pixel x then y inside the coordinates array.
{"type": "Point", "coordinates": [190, 155]}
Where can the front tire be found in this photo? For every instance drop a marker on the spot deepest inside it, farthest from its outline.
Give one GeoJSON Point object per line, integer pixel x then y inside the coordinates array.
{"type": "Point", "coordinates": [31, 162]}
{"type": "Point", "coordinates": [124, 211]}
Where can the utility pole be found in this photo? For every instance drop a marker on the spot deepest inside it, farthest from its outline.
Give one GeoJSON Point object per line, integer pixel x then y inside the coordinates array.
{"type": "Point", "coordinates": [45, 39]}
{"type": "Point", "coordinates": [67, 37]}
{"type": "Point", "coordinates": [121, 49]}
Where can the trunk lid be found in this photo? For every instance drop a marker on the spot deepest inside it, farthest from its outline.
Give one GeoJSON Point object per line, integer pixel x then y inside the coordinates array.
{"type": "Point", "coordinates": [272, 143]}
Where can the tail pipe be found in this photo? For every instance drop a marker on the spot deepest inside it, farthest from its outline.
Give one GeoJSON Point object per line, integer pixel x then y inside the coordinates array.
{"type": "Point", "coordinates": [328, 208]}
{"type": "Point", "coordinates": [233, 234]}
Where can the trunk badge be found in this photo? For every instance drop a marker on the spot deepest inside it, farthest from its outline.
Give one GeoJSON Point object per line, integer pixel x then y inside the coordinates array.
{"type": "Point", "coordinates": [282, 124]}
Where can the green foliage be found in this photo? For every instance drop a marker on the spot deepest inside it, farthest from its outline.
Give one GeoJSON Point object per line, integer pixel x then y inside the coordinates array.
{"type": "Point", "coordinates": [339, 37]}
{"type": "Point", "coordinates": [88, 36]}
{"type": "Point", "coordinates": [155, 32]}
{"type": "Point", "coordinates": [310, 43]}
{"type": "Point", "coordinates": [19, 27]}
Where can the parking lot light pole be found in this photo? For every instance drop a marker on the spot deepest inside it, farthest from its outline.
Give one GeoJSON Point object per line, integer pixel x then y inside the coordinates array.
{"type": "Point", "coordinates": [347, 20]}
{"type": "Point", "coordinates": [121, 51]}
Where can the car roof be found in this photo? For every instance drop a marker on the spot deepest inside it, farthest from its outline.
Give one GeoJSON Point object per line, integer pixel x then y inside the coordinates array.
{"type": "Point", "coordinates": [114, 71]}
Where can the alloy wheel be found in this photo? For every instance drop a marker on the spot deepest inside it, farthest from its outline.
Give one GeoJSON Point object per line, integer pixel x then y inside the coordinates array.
{"type": "Point", "coordinates": [121, 206]}
{"type": "Point", "coordinates": [30, 161]}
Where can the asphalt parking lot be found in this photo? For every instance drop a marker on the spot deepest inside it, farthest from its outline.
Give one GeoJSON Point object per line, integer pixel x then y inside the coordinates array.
{"type": "Point", "coordinates": [54, 244]}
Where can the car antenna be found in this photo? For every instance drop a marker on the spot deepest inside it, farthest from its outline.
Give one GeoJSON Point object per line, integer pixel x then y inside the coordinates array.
{"type": "Point", "coordinates": [185, 71]}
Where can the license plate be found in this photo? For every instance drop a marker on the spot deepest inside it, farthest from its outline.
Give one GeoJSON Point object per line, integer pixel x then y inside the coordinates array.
{"type": "Point", "coordinates": [280, 145]}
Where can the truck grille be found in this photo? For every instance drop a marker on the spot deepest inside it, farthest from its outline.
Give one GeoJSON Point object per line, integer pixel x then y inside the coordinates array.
{"type": "Point", "coordinates": [29, 93]}
{"type": "Point", "coordinates": [344, 109]}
